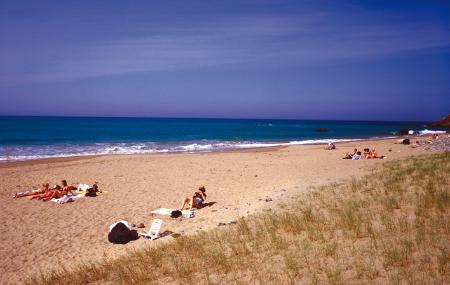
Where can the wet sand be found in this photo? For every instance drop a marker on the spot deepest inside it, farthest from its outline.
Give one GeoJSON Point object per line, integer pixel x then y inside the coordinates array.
{"type": "Point", "coordinates": [40, 236]}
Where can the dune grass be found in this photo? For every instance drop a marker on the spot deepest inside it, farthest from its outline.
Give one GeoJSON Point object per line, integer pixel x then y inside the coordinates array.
{"type": "Point", "coordinates": [392, 226]}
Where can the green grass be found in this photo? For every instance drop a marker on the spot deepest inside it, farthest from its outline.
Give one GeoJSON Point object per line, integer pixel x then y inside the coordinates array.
{"type": "Point", "coordinates": [392, 226]}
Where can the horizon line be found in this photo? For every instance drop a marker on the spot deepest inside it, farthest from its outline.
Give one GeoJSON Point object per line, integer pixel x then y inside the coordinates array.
{"type": "Point", "coordinates": [214, 118]}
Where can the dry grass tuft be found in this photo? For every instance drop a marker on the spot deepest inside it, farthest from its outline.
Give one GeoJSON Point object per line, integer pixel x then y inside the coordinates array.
{"type": "Point", "coordinates": [392, 226]}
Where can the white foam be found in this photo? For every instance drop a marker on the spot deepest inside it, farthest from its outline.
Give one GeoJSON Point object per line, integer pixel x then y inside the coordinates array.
{"type": "Point", "coordinates": [196, 147]}
{"type": "Point", "coordinates": [431, 132]}
{"type": "Point", "coordinates": [304, 142]}
{"type": "Point", "coordinates": [57, 151]}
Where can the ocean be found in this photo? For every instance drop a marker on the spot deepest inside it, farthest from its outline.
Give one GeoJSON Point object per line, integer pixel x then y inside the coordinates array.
{"type": "Point", "coordinates": [27, 138]}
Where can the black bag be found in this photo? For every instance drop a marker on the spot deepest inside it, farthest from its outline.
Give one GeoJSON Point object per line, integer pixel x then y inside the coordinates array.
{"type": "Point", "coordinates": [405, 141]}
{"type": "Point", "coordinates": [176, 214]}
{"type": "Point", "coordinates": [121, 234]}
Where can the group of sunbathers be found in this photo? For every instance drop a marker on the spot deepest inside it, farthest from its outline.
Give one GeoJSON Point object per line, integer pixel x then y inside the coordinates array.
{"type": "Point", "coordinates": [356, 155]}
{"type": "Point", "coordinates": [45, 193]}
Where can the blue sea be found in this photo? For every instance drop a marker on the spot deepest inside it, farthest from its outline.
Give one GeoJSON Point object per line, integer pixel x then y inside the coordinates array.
{"type": "Point", "coordinates": [27, 138]}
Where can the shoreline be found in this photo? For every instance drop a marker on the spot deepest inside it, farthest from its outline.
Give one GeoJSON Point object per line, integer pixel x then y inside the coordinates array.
{"type": "Point", "coordinates": [242, 149]}
{"type": "Point", "coordinates": [240, 183]}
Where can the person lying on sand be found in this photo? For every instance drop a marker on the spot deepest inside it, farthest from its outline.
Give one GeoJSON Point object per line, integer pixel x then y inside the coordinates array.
{"type": "Point", "coordinates": [350, 155]}
{"type": "Point", "coordinates": [49, 193]}
{"type": "Point", "coordinates": [197, 199]}
{"type": "Point", "coordinates": [43, 190]}
{"type": "Point", "coordinates": [92, 192]}
{"type": "Point", "coordinates": [59, 192]}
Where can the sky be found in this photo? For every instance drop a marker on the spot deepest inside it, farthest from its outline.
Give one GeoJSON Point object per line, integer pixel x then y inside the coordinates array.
{"type": "Point", "coordinates": [310, 59]}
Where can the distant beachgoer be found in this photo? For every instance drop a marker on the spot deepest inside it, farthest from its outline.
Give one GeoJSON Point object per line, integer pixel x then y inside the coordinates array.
{"type": "Point", "coordinates": [66, 187]}
{"type": "Point", "coordinates": [366, 153]}
{"type": "Point", "coordinates": [330, 146]}
{"type": "Point", "coordinates": [43, 190]}
{"type": "Point", "coordinates": [47, 193]}
{"type": "Point", "coordinates": [92, 192]}
{"type": "Point", "coordinates": [51, 193]}
{"type": "Point", "coordinates": [59, 191]}
{"type": "Point", "coordinates": [197, 199]}
{"type": "Point", "coordinates": [356, 156]}
{"type": "Point", "coordinates": [373, 154]}
{"type": "Point", "coordinates": [350, 155]}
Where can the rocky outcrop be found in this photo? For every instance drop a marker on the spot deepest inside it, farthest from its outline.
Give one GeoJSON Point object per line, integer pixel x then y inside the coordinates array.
{"type": "Point", "coordinates": [443, 123]}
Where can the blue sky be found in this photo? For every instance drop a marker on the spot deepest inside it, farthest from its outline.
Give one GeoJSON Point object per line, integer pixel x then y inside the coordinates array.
{"type": "Point", "coordinates": [312, 59]}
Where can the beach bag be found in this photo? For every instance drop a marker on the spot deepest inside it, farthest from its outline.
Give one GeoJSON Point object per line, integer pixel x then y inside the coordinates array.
{"type": "Point", "coordinates": [176, 214]}
{"type": "Point", "coordinates": [121, 233]}
{"type": "Point", "coordinates": [405, 141]}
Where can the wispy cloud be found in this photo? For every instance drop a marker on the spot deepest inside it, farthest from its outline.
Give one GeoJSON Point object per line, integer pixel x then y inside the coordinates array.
{"type": "Point", "coordinates": [248, 41]}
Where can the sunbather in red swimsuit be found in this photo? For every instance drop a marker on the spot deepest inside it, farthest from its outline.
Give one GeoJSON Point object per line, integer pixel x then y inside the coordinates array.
{"type": "Point", "coordinates": [43, 190]}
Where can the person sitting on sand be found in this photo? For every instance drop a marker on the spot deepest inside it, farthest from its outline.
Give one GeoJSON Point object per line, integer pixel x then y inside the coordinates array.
{"type": "Point", "coordinates": [66, 187]}
{"type": "Point", "coordinates": [356, 156]}
{"type": "Point", "coordinates": [330, 146]}
{"type": "Point", "coordinates": [197, 199]}
{"type": "Point", "coordinates": [43, 190]}
{"type": "Point", "coordinates": [350, 155]}
{"type": "Point", "coordinates": [366, 153]}
{"type": "Point", "coordinates": [373, 154]}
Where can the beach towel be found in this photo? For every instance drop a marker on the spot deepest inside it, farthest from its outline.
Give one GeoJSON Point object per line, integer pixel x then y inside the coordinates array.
{"type": "Point", "coordinates": [167, 212]}
{"type": "Point", "coordinates": [67, 198]}
{"type": "Point", "coordinates": [83, 187]}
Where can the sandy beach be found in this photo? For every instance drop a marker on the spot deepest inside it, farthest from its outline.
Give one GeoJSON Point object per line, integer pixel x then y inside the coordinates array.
{"type": "Point", "coordinates": [40, 236]}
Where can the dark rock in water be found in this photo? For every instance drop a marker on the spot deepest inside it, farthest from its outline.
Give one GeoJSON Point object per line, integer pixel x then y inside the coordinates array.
{"type": "Point", "coordinates": [442, 123]}
{"type": "Point", "coordinates": [402, 132]}
{"type": "Point", "coordinates": [322, 130]}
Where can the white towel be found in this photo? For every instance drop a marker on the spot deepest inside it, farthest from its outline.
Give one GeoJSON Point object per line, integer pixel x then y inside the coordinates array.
{"type": "Point", "coordinates": [66, 197]}
{"type": "Point", "coordinates": [167, 212]}
{"type": "Point", "coordinates": [83, 187]}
